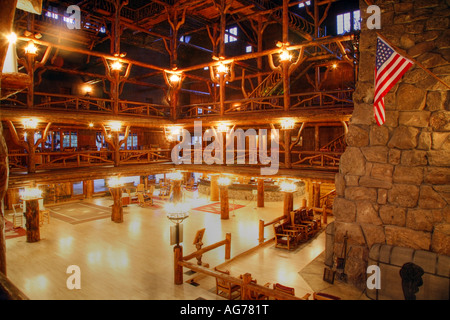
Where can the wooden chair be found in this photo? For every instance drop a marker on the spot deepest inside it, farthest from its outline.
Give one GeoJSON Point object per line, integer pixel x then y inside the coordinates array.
{"type": "Point", "coordinates": [191, 184]}
{"type": "Point", "coordinates": [140, 188]}
{"type": "Point", "coordinates": [316, 219]}
{"type": "Point", "coordinates": [226, 288]}
{"type": "Point", "coordinates": [324, 296]}
{"type": "Point", "coordinates": [284, 239]}
{"type": "Point", "coordinates": [144, 202]}
{"type": "Point", "coordinates": [164, 192]}
{"type": "Point", "coordinates": [18, 216]}
{"type": "Point", "coordinates": [299, 232]}
{"type": "Point", "coordinates": [285, 289]}
{"type": "Point", "coordinates": [252, 295]}
{"type": "Point", "coordinates": [43, 213]}
{"type": "Point", "coordinates": [306, 225]}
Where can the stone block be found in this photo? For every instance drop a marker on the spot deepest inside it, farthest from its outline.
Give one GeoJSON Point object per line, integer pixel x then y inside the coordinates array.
{"type": "Point", "coordinates": [437, 175]}
{"type": "Point", "coordinates": [443, 265]}
{"type": "Point", "coordinates": [366, 181]}
{"type": "Point", "coordinates": [401, 255]}
{"type": "Point", "coordinates": [431, 60]}
{"type": "Point", "coordinates": [439, 158]}
{"type": "Point", "coordinates": [375, 154]}
{"type": "Point", "coordinates": [394, 156]}
{"type": "Point", "coordinates": [374, 253]}
{"type": "Point", "coordinates": [420, 219]}
{"type": "Point", "coordinates": [353, 231]}
{"type": "Point", "coordinates": [437, 100]}
{"type": "Point", "coordinates": [385, 253]}
{"type": "Point", "coordinates": [405, 237]}
{"type": "Point", "coordinates": [440, 120]}
{"type": "Point", "coordinates": [382, 196]}
{"type": "Point", "coordinates": [440, 140]}
{"type": "Point", "coordinates": [408, 175]}
{"type": "Point", "coordinates": [391, 118]}
{"type": "Point", "coordinates": [418, 119]}
{"type": "Point", "coordinates": [351, 181]}
{"type": "Point", "coordinates": [410, 97]}
{"type": "Point", "coordinates": [363, 112]}
{"type": "Point", "coordinates": [366, 213]}
{"type": "Point", "coordinates": [403, 195]}
{"type": "Point", "coordinates": [361, 193]}
{"type": "Point", "coordinates": [437, 23]}
{"type": "Point", "coordinates": [357, 136]}
{"type": "Point", "coordinates": [352, 162]}
{"type": "Point", "coordinates": [393, 215]}
{"type": "Point", "coordinates": [430, 199]}
{"type": "Point", "coordinates": [426, 260]}
{"type": "Point", "coordinates": [414, 158]}
{"type": "Point", "coordinates": [340, 184]}
{"type": "Point", "coordinates": [424, 142]}
{"type": "Point", "coordinates": [344, 210]}
{"type": "Point", "coordinates": [404, 138]}
{"type": "Point", "coordinates": [373, 234]}
{"type": "Point", "coordinates": [378, 136]}
{"type": "Point", "coordinates": [421, 48]}
{"type": "Point", "coordinates": [441, 239]}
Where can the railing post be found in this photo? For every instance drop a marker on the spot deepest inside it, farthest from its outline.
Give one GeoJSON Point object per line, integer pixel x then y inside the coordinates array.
{"type": "Point", "coordinates": [228, 246]}
{"type": "Point", "coordinates": [178, 269]}
{"type": "Point", "coordinates": [261, 231]}
{"type": "Point", "coordinates": [246, 279]}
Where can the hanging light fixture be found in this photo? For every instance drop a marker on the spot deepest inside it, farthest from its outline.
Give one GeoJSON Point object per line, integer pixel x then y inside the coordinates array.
{"type": "Point", "coordinates": [31, 48]}
{"type": "Point", "coordinates": [116, 65]}
{"type": "Point", "coordinates": [287, 124]}
{"type": "Point", "coordinates": [30, 123]}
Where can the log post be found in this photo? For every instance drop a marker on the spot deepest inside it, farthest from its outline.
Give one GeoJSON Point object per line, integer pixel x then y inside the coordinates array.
{"type": "Point", "coordinates": [324, 214]}
{"type": "Point", "coordinates": [224, 203]}
{"type": "Point", "coordinates": [214, 188]}
{"type": "Point", "coordinates": [287, 149]}
{"type": "Point", "coordinates": [228, 246]}
{"type": "Point", "coordinates": [117, 210]}
{"type": "Point", "coordinates": [88, 187]}
{"type": "Point", "coordinates": [260, 196]}
{"type": "Point", "coordinates": [178, 269]}
{"type": "Point", "coordinates": [32, 220]}
{"type": "Point", "coordinates": [176, 191]}
{"type": "Point", "coordinates": [288, 204]}
{"type": "Point", "coordinates": [261, 231]}
{"type": "Point", "coordinates": [246, 279]}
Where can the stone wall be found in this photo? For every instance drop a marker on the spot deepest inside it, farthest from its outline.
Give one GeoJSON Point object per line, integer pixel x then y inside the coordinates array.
{"type": "Point", "coordinates": [393, 186]}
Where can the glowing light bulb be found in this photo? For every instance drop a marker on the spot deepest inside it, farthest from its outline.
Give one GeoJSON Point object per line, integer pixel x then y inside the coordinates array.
{"type": "Point", "coordinates": [12, 37]}
{"type": "Point", "coordinates": [285, 56]}
{"type": "Point", "coordinates": [116, 66]}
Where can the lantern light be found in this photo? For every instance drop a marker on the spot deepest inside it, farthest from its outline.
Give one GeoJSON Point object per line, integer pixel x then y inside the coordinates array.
{"type": "Point", "coordinates": [224, 181]}
{"type": "Point", "coordinates": [30, 123]}
{"type": "Point", "coordinates": [115, 126]}
{"type": "Point", "coordinates": [31, 48]}
{"type": "Point", "coordinates": [116, 66]}
{"type": "Point", "coordinates": [30, 193]}
{"type": "Point", "coordinates": [12, 38]}
{"type": "Point", "coordinates": [288, 186]}
{"type": "Point", "coordinates": [287, 124]}
{"type": "Point", "coordinates": [285, 55]}
{"type": "Point", "coordinates": [115, 182]}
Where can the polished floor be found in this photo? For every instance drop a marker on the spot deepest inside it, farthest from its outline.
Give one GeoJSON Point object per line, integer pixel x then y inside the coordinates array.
{"type": "Point", "coordinates": [134, 259]}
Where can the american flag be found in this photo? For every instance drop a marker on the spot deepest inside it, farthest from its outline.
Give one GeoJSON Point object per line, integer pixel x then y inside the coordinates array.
{"type": "Point", "coordinates": [390, 67]}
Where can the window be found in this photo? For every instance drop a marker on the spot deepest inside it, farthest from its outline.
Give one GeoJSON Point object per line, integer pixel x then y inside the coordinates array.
{"type": "Point", "coordinates": [185, 39]}
{"type": "Point", "coordinates": [302, 5]}
{"type": "Point", "coordinates": [70, 139]}
{"type": "Point", "coordinates": [52, 12]}
{"type": "Point", "coordinates": [132, 141]}
{"type": "Point", "coordinates": [357, 20]}
{"type": "Point", "coordinates": [230, 35]}
{"type": "Point", "coordinates": [100, 141]}
{"type": "Point", "coordinates": [349, 21]}
{"type": "Point", "coordinates": [248, 49]}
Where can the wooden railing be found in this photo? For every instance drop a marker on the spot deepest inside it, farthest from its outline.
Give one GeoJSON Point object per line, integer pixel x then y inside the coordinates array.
{"type": "Point", "coordinates": [78, 159]}
{"type": "Point", "coordinates": [50, 101]}
{"type": "Point", "coordinates": [8, 291]}
{"type": "Point", "coordinates": [316, 159]}
{"type": "Point", "coordinates": [320, 99]}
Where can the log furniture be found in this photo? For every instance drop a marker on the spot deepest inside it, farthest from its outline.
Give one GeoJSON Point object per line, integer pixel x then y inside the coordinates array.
{"type": "Point", "coordinates": [285, 238]}
{"type": "Point", "coordinates": [227, 289]}
{"type": "Point", "coordinates": [285, 289]}
{"type": "Point", "coordinates": [144, 201]}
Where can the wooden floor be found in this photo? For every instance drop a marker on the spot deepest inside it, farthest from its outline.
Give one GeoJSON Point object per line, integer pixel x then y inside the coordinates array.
{"type": "Point", "coordinates": [134, 259]}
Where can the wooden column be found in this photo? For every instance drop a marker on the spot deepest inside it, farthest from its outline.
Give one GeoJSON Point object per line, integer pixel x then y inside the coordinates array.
{"type": "Point", "coordinates": [316, 194]}
{"type": "Point", "coordinates": [32, 220]}
{"type": "Point", "coordinates": [177, 195]}
{"type": "Point", "coordinates": [288, 204]}
{"type": "Point", "coordinates": [260, 196]}
{"type": "Point", "coordinates": [214, 188]}
{"type": "Point", "coordinates": [178, 270]}
{"type": "Point", "coordinates": [224, 203]}
{"type": "Point", "coordinates": [117, 210]}
{"type": "Point", "coordinates": [88, 188]}
{"type": "Point", "coordinates": [316, 138]}
{"type": "Point", "coordinates": [287, 149]}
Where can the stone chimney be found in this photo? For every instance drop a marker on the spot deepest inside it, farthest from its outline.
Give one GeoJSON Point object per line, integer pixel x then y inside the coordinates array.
{"type": "Point", "coordinates": [393, 186]}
